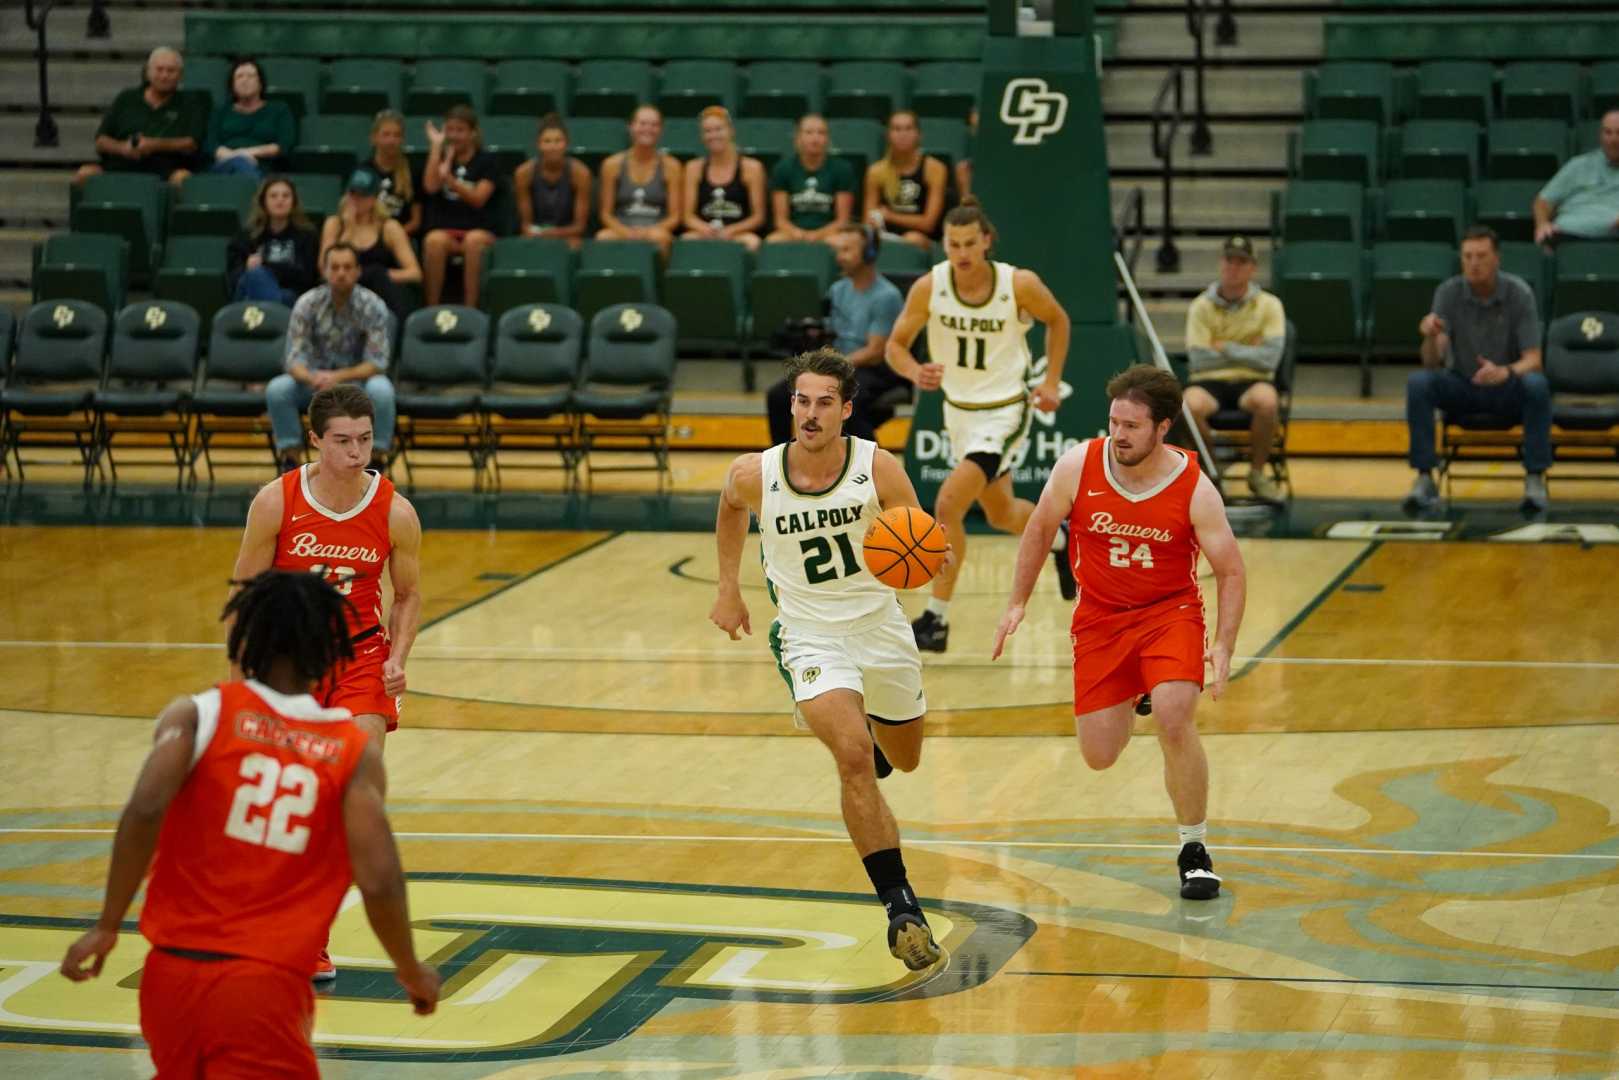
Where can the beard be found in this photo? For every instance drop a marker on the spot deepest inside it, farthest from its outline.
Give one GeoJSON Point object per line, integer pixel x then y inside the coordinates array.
{"type": "Point", "coordinates": [1135, 455]}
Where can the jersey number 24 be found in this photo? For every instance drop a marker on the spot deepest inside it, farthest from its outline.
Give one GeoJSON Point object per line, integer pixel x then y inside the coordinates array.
{"type": "Point", "coordinates": [1119, 553]}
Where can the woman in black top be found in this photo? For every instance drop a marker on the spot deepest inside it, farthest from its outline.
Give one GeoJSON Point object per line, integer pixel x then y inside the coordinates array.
{"type": "Point", "coordinates": [274, 257]}
{"type": "Point", "coordinates": [459, 180]}
{"type": "Point", "coordinates": [379, 241]}
{"type": "Point", "coordinates": [398, 188]}
{"type": "Point", "coordinates": [905, 188]}
{"type": "Point", "coordinates": [553, 189]}
{"type": "Point", "coordinates": [725, 192]}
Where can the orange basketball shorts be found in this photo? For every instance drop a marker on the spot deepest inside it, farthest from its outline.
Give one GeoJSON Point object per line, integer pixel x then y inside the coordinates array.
{"type": "Point", "coordinates": [357, 684]}
{"type": "Point", "coordinates": [1116, 660]}
{"type": "Point", "coordinates": [233, 1019]}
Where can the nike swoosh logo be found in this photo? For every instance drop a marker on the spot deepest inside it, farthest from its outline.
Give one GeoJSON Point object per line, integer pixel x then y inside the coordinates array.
{"type": "Point", "coordinates": [300, 517]}
{"type": "Point", "coordinates": [1088, 491]}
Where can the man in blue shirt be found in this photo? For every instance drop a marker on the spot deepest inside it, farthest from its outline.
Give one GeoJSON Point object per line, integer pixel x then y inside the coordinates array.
{"type": "Point", "coordinates": [864, 305]}
{"type": "Point", "coordinates": [1582, 200]}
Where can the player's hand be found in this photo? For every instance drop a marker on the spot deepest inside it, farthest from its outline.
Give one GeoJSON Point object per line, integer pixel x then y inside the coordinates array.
{"type": "Point", "coordinates": [929, 376]}
{"type": "Point", "coordinates": [435, 134]}
{"type": "Point", "coordinates": [1490, 374]}
{"type": "Point", "coordinates": [393, 677]}
{"type": "Point", "coordinates": [1218, 657]}
{"type": "Point", "coordinates": [1545, 234]}
{"type": "Point", "coordinates": [421, 984]}
{"type": "Point", "coordinates": [1047, 398]}
{"type": "Point", "coordinates": [86, 956]}
{"type": "Point", "coordinates": [730, 614]}
{"type": "Point", "coordinates": [948, 562]}
{"type": "Point", "coordinates": [1431, 324]}
{"type": "Point", "coordinates": [1009, 624]}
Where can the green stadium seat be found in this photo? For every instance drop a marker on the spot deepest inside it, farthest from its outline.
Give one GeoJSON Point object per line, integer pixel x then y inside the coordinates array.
{"type": "Point", "coordinates": [1587, 277]}
{"type": "Point", "coordinates": [295, 81]}
{"type": "Point", "coordinates": [1349, 90]}
{"type": "Point", "coordinates": [683, 137]}
{"type": "Point", "coordinates": [439, 378]}
{"type": "Point", "coordinates": [783, 89]}
{"type": "Point", "coordinates": [57, 366]}
{"type": "Point", "coordinates": [1438, 150]}
{"type": "Point", "coordinates": [128, 205]}
{"type": "Point", "coordinates": [1321, 210]}
{"type": "Point", "coordinates": [522, 270]}
{"type": "Point", "coordinates": [151, 373]}
{"type": "Point", "coordinates": [615, 272]}
{"type": "Point", "coordinates": [704, 289]}
{"type": "Point", "coordinates": [859, 142]}
{"type": "Point", "coordinates": [945, 90]}
{"type": "Point", "coordinates": [1604, 88]}
{"type": "Point", "coordinates": [903, 263]}
{"type": "Point", "coordinates": [416, 140]}
{"type": "Point", "coordinates": [690, 86]}
{"type": "Point", "coordinates": [1525, 149]}
{"type": "Point", "coordinates": [212, 205]}
{"type": "Point", "coordinates": [319, 193]}
{"type": "Point", "coordinates": [789, 282]}
{"type": "Point", "coordinates": [436, 85]}
{"type": "Point", "coordinates": [866, 89]}
{"type": "Point", "coordinates": [1585, 137]}
{"type": "Point", "coordinates": [612, 88]}
{"type": "Point", "coordinates": [1424, 211]}
{"type": "Point", "coordinates": [1582, 366]}
{"type": "Point", "coordinates": [536, 362]}
{"type": "Point", "coordinates": [93, 267]}
{"type": "Point", "coordinates": [627, 384]}
{"type": "Point", "coordinates": [1529, 261]}
{"type": "Point", "coordinates": [1322, 286]}
{"type": "Point", "coordinates": [1337, 150]}
{"type": "Point", "coordinates": [530, 88]}
{"type": "Point", "coordinates": [1541, 90]}
{"type": "Point", "coordinates": [247, 347]}
{"type": "Point", "coordinates": [332, 144]}
{"type": "Point", "coordinates": [946, 139]}
{"type": "Point", "coordinates": [595, 138]}
{"type": "Point", "coordinates": [510, 139]}
{"type": "Point", "coordinates": [1456, 90]}
{"type": "Point", "coordinates": [8, 340]}
{"type": "Point", "coordinates": [1507, 206]}
{"type": "Point", "coordinates": [1404, 277]}
{"type": "Point", "coordinates": [768, 139]}
{"type": "Point", "coordinates": [194, 273]}
{"type": "Point", "coordinates": [362, 87]}
{"type": "Point", "coordinates": [207, 75]}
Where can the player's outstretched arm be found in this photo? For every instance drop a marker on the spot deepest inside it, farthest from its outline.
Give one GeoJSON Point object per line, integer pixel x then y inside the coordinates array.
{"type": "Point", "coordinates": [1219, 546]}
{"type": "Point", "coordinates": [374, 859]}
{"type": "Point", "coordinates": [1034, 297]}
{"type": "Point", "coordinates": [257, 553]}
{"type": "Point", "coordinates": [1056, 503]}
{"type": "Point", "coordinates": [405, 572]}
{"type": "Point", "coordinates": [742, 495]}
{"type": "Point", "coordinates": [165, 770]}
{"type": "Point", "coordinates": [894, 487]}
{"type": "Point", "coordinates": [906, 327]}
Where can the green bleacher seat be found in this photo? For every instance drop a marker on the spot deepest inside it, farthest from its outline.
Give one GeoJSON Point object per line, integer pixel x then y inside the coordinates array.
{"type": "Point", "coordinates": [945, 90]}
{"type": "Point", "coordinates": [1604, 88]}
{"type": "Point", "coordinates": [768, 139]}
{"type": "Point", "coordinates": [683, 137]}
{"type": "Point", "coordinates": [1337, 150]}
{"type": "Point", "coordinates": [207, 75]}
{"type": "Point", "coordinates": [129, 205]}
{"type": "Point", "coordinates": [1404, 277]}
{"type": "Point", "coordinates": [1587, 277]}
{"type": "Point", "coordinates": [1456, 90]}
{"type": "Point", "coordinates": [332, 144]}
{"type": "Point", "coordinates": [1322, 286]}
{"type": "Point", "coordinates": [1585, 137]}
{"type": "Point", "coordinates": [594, 138]}
{"type": "Point", "coordinates": [859, 142]}
{"type": "Point", "coordinates": [1525, 149]}
{"type": "Point", "coordinates": [1351, 91]}
{"type": "Point", "coordinates": [705, 288]}
{"type": "Point", "coordinates": [295, 81]}
{"type": "Point", "coordinates": [615, 272]}
{"type": "Point", "coordinates": [1415, 36]}
{"type": "Point", "coordinates": [783, 89]}
{"type": "Point", "coordinates": [93, 267]}
{"type": "Point", "coordinates": [1438, 150]}
{"type": "Point", "coordinates": [690, 86]}
{"type": "Point", "coordinates": [362, 87]}
{"type": "Point", "coordinates": [212, 204]}
{"type": "Point", "coordinates": [1424, 211]}
{"type": "Point", "coordinates": [1529, 261]}
{"type": "Point", "coordinates": [945, 139]}
{"type": "Point", "coordinates": [1507, 206]}
{"type": "Point", "coordinates": [866, 89]}
{"type": "Point", "coordinates": [436, 85]}
{"type": "Point", "coordinates": [612, 88]}
{"type": "Point", "coordinates": [903, 263]}
{"type": "Point", "coordinates": [193, 272]}
{"type": "Point", "coordinates": [789, 282]}
{"type": "Point", "coordinates": [319, 193]}
{"type": "Point", "coordinates": [1541, 90]}
{"type": "Point", "coordinates": [510, 139]}
{"type": "Point", "coordinates": [1321, 210]}
{"type": "Point", "coordinates": [530, 88]}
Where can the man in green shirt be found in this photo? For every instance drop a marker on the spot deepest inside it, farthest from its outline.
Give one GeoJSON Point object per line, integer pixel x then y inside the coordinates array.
{"type": "Point", "coordinates": [153, 127]}
{"type": "Point", "coordinates": [811, 194]}
{"type": "Point", "coordinates": [1582, 200]}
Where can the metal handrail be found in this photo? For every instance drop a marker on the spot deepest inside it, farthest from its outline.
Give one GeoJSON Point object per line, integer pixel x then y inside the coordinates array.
{"type": "Point", "coordinates": [99, 26]}
{"type": "Point", "coordinates": [1131, 227]}
{"type": "Point", "coordinates": [1166, 124]}
{"type": "Point", "coordinates": [1202, 140]}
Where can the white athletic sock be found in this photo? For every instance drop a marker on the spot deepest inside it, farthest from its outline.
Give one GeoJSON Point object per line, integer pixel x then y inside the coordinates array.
{"type": "Point", "coordinates": [1190, 833]}
{"type": "Point", "coordinates": [940, 609]}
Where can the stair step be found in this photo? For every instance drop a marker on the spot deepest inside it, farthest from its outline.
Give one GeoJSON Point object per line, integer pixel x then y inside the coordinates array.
{"type": "Point", "coordinates": [34, 196]}
{"type": "Point", "coordinates": [1204, 203]}
{"type": "Point", "coordinates": [1238, 147]}
{"type": "Point", "coordinates": [1228, 92]}
{"type": "Point", "coordinates": [1161, 35]}
{"type": "Point", "coordinates": [135, 33]}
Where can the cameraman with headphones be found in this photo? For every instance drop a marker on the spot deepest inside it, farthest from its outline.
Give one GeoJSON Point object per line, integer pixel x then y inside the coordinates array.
{"type": "Point", "coordinates": [862, 308]}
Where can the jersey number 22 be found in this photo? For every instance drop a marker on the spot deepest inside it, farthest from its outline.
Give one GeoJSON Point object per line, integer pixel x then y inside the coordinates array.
{"type": "Point", "coordinates": [288, 790]}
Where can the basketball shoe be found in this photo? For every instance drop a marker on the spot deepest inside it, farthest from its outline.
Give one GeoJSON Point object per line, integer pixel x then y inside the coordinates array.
{"type": "Point", "coordinates": [325, 970]}
{"type": "Point", "coordinates": [1144, 705]}
{"type": "Point", "coordinates": [932, 633]}
{"type": "Point", "coordinates": [1198, 879]}
{"type": "Point", "coordinates": [910, 939]}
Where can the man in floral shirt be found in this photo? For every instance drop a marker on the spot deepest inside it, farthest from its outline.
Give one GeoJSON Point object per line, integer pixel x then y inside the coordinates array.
{"type": "Point", "coordinates": [339, 333]}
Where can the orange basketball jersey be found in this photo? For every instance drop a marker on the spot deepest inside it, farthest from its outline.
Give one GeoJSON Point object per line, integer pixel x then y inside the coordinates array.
{"type": "Point", "coordinates": [1135, 550]}
{"type": "Point", "coordinates": [253, 857]}
{"type": "Point", "coordinates": [350, 549]}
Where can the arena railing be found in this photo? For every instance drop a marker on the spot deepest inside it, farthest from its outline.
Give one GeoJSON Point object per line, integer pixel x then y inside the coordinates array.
{"type": "Point", "coordinates": [45, 132]}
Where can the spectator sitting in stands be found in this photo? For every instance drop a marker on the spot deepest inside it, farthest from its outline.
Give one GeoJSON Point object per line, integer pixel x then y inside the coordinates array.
{"type": "Point", "coordinates": [1582, 201]}
{"type": "Point", "coordinates": [459, 179]}
{"type": "Point", "coordinates": [1235, 334]}
{"type": "Point", "coordinates": [398, 185]}
{"type": "Point", "coordinates": [1480, 354]}
{"type": "Point", "coordinates": [553, 189]}
{"type": "Point", "coordinates": [274, 258]}
{"type": "Point", "coordinates": [153, 127]}
{"type": "Point", "coordinates": [338, 333]}
{"type": "Point", "coordinates": [379, 241]}
{"type": "Point", "coordinates": [812, 194]}
{"type": "Point", "coordinates": [640, 188]}
{"type": "Point", "coordinates": [725, 191]}
{"type": "Point", "coordinates": [964, 167]}
{"type": "Point", "coordinates": [905, 188]}
{"type": "Point", "coordinates": [247, 131]}
{"type": "Point", "coordinates": [863, 306]}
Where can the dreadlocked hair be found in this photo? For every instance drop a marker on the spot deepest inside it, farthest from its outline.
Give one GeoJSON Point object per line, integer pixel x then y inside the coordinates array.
{"type": "Point", "coordinates": [292, 614]}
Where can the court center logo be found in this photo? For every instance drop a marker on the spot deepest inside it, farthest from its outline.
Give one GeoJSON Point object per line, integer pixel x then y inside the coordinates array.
{"type": "Point", "coordinates": [1033, 109]}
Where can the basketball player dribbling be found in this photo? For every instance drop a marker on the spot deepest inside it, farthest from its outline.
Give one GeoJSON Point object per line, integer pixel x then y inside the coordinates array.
{"type": "Point", "coordinates": [840, 638]}
{"type": "Point", "coordinates": [258, 805]}
{"type": "Point", "coordinates": [1139, 512]}
{"type": "Point", "coordinates": [340, 520]}
{"type": "Point", "coordinates": [977, 313]}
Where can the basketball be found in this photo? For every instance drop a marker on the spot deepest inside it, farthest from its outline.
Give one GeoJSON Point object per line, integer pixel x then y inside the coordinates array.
{"type": "Point", "coordinates": [904, 548]}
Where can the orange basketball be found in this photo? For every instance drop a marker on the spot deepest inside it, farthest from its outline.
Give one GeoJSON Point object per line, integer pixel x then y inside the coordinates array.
{"type": "Point", "coordinates": [904, 548]}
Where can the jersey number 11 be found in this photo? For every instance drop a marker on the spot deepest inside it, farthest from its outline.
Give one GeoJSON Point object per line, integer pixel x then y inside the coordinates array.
{"type": "Point", "coordinates": [961, 353]}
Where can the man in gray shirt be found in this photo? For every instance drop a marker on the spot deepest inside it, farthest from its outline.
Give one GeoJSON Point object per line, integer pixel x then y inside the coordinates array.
{"type": "Point", "coordinates": [1480, 355]}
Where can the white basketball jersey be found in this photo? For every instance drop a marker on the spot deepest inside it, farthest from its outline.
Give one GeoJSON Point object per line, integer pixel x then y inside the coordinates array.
{"type": "Point", "coordinates": [983, 349]}
{"type": "Point", "coordinates": [811, 544]}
